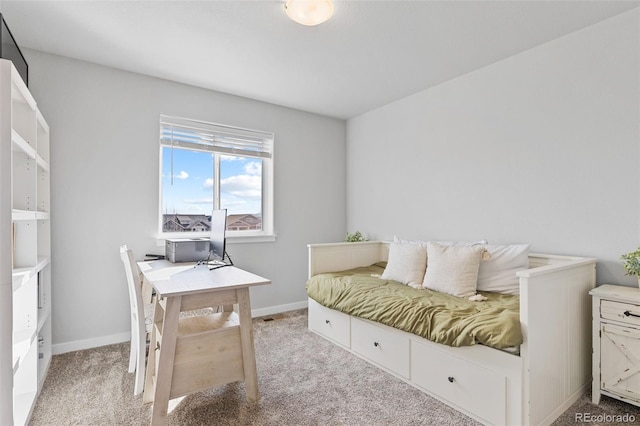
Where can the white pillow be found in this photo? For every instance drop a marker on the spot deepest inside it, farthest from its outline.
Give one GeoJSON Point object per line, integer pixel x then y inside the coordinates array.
{"type": "Point", "coordinates": [453, 269]}
{"type": "Point", "coordinates": [406, 263]}
{"type": "Point", "coordinates": [498, 274]}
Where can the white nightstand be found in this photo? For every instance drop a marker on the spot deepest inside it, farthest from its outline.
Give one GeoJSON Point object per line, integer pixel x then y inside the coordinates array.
{"type": "Point", "coordinates": [616, 343]}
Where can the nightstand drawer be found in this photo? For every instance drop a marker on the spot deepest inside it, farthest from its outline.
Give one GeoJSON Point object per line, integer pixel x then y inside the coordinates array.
{"type": "Point", "coordinates": [627, 313]}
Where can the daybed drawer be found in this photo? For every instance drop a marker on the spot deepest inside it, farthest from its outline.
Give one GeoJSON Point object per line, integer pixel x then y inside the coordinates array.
{"type": "Point", "coordinates": [382, 345]}
{"type": "Point", "coordinates": [619, 311]}
{"type": "Point", "coordinates": [472, 388]}
{"type": "Point", "coordinates": [330, 323]}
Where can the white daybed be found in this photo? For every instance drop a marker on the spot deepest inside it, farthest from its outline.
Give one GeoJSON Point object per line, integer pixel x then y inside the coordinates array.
{"type": "Point", "coordinates": [551, 372]}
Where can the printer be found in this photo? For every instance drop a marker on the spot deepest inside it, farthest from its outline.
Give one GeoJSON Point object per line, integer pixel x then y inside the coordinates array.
{"type": "Point", "coordinates": [186, 249]}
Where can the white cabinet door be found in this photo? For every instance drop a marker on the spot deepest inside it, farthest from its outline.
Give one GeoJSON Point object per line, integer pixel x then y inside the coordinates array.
{"type": "Point", "coordinates": [620, 360]}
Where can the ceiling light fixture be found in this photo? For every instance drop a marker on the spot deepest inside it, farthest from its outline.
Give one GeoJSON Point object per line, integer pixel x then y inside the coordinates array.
{"type": "Point", "coordinates": [309, 12]}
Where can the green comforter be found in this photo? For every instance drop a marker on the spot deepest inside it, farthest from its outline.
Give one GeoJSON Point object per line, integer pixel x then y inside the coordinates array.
{"type": "Point", "coordinates": [439, 317]}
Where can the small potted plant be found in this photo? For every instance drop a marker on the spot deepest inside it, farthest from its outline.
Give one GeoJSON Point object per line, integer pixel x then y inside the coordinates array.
{"type": "Point", "coordinates": [631, 263]}
{"type": "Point", "coordinates": [354, 238]}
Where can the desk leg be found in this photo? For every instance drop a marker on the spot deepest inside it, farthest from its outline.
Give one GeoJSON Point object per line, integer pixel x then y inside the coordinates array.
{"type": "Point", "coordinates": [147, 291]}
{"type": "Point", "coordinates": [150, 373]}
{"type": "Point", "coordinates": [162, 391]}
{"type": "Point", "coordinates": [248, 350]}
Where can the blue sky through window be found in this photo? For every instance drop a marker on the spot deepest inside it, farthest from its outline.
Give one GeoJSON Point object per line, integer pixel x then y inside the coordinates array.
{"type": "Point", "coordinates": [193, 178]}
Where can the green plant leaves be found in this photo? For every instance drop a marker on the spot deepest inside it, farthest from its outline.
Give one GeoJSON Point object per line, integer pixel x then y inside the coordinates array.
{"type": "Point", "coordinates": [354, 238]}
{"type": "Point", "coordinates": [631, 262]}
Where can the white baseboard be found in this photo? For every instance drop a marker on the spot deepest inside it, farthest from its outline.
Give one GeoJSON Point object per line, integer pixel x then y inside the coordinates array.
{"type": "Point", "coordinates": [277, 309]}
{"type": "Point", "coordinates": [94, 342]}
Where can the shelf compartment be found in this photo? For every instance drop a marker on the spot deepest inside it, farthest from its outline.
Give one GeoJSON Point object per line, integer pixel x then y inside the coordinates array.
{"type": "Point", "coordinates": [23, 340]}
{"type": "Point", "coordinates": [25, 386]}
{"type": "Point", "coordinates": [23, 275]}
{"type": "Point", "coordinates": [21, 145]}
{"type": "Point", "coordinates": [24, 244]}
{"type": "Point", "coordinates": [19, 92]}
{"type": "Point", "coordinates": [25, 309]}
{"type": "Point", "coordinates": [23, 110]}
{"type": "Point", "coordinates": [44, 239]}
{"type": "Point", "coordinates": [24, 170]}
{"type": "Point", "coordinates": [43, 184]}
{"type": "Point", "coordinates": [44, 294]}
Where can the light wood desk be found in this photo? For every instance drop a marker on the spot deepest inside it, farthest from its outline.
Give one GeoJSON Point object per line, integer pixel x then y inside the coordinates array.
{"type": "Point", "coordinates": [188, 355]}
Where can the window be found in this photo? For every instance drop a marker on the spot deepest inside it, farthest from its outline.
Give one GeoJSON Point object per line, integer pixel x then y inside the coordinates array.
{"type": "Point", "coordinates": [206, 166]}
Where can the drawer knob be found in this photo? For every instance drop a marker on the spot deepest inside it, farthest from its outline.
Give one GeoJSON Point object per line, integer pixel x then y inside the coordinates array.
{"type": "Point", "coordinates": [327, 322]}
{"type": "Point", "coordinates": [376, 344]}
{"type": "Point", "coordinates": [629, 314]}
{"type": "Point", "coordinates": [451, 379]}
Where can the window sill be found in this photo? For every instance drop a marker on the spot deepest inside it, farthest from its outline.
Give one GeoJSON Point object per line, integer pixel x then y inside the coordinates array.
{"type": "Point", "coordinates": [231, 239]}
{"type": "Point", "coordinates": [241, 239]}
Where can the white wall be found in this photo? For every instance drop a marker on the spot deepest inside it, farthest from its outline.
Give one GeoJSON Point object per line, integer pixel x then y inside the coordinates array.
{"type": "Point", "coordinates": [539, 148]}
{"type": "Point", "coordinates": [104, 187]}
{"type": "Point", "coordinates": [542, 147]}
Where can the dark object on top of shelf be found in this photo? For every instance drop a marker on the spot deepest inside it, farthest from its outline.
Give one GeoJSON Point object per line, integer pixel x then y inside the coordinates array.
{"type": "Point", "coordinates": [150, 256]}
{"type": "Point", "coordinates": [9, 50]}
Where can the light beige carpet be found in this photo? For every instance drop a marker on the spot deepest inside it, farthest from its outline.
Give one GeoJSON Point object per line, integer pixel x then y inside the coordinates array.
{"type": "Point", "coordinates": [303, 380]}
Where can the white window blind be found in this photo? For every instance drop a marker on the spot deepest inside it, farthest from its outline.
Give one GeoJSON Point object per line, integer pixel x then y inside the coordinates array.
{"type": "Point", "coordinates": [202, 136]}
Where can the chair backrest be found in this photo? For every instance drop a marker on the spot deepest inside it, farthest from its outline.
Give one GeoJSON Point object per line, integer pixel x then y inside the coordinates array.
{"type": "Point", "coordinates": [135, 287]}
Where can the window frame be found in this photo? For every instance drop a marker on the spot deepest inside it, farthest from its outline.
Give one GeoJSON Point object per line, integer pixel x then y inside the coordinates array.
{"type": "Point", "coordinates": [267, 232]}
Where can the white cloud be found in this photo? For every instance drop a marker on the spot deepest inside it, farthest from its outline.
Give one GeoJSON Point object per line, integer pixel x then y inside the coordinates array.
{"type": "Point", "coordinates": [253, 168]}
{"type": "Point", "coordinates": [181, 175]}
{"type": "Point", "coordinates": [208, 183]}
{"type": "Point", "coordinates": [208, 200]}
{"type": "Point", "coordinates": [243, 186]}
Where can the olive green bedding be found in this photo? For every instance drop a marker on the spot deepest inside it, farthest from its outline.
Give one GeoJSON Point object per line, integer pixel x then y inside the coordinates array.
{"type": "Point", "coordinates": [439, 317]}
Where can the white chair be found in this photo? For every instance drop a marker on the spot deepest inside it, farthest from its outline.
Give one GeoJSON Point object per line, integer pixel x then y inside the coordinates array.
{"type": "Point", "coordinates": [141, 319]}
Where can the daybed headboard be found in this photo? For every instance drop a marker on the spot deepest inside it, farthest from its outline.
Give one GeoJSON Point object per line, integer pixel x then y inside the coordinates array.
{"type": "Point", "coordinates": [331, 257]}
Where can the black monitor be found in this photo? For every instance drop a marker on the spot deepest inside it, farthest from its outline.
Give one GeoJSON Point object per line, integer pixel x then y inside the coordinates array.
{"type": "Point", "coordinates": [217, 240]}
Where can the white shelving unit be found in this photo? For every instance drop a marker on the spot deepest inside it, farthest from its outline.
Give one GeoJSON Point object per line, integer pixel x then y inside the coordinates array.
{"type": "Point", "coordinates": [25, 249]}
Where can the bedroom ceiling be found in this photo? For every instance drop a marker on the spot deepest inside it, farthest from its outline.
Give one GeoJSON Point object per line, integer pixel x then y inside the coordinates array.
{"type": "Point", "coordinates": [368, 54]}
